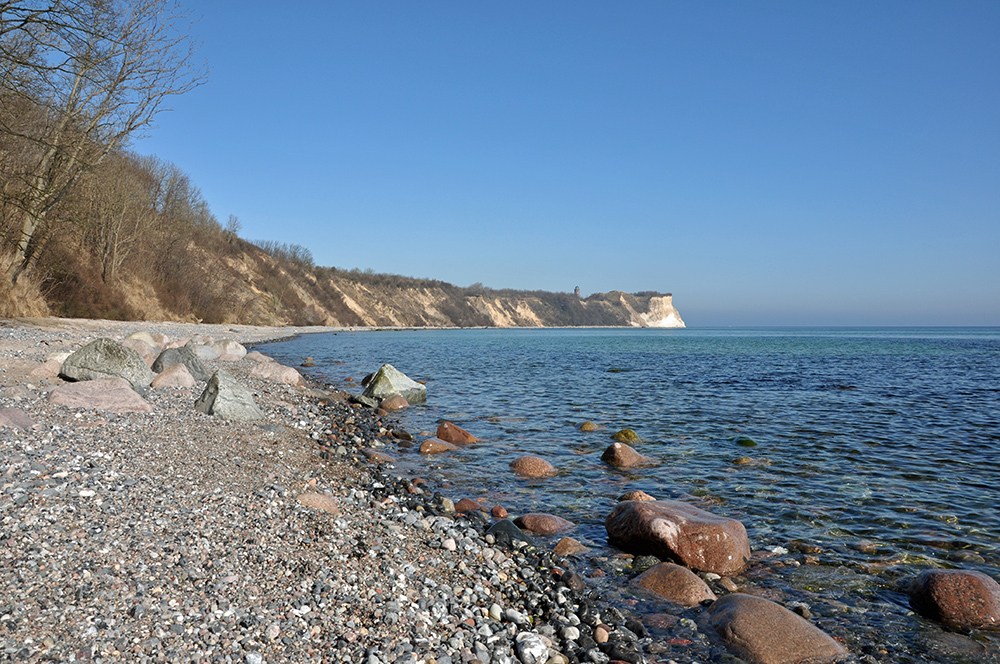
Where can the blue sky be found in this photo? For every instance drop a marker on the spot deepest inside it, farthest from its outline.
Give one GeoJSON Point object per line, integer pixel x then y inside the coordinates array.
{"type": "Point", "coordinates": [768, 163]}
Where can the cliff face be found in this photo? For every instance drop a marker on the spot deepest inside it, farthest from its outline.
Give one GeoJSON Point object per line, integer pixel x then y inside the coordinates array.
{"type": "Point", "coordinates": [240, 283]}
{"type": "Point", "coordinates": [448, 306]}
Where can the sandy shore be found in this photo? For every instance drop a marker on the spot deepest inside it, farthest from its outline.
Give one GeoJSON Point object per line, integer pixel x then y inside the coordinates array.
{"type": "Point", "coordinates": [174, 536]}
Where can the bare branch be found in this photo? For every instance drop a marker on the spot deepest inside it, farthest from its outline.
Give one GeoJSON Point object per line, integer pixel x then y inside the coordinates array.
{"type": "Point", "coordinates": [99, 71]}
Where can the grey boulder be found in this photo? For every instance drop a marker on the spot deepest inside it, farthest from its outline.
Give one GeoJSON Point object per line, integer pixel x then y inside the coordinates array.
{"type": "Point", "coordinates": [227, 399]}
{"type": "Point", "coordinates": [105, 358]}
{"type": "Point", "coordinates": [184, 355]}
{"type": "Point", "coordinates": [388, 381]}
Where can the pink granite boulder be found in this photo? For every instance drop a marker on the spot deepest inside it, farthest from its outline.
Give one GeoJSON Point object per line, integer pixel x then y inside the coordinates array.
{"type": "Point", "coordinates": [176, 376]}
{"type": "Point", "coordinates": [455, 434]}
{"type": "Point", "coordinates": [959, 599]}
{"type": "Point", "coordinates": [394, 403]}
{"type": "Point", "coordinates": [675, 584]}
{"type": "Point", "coordinates": [762, 632]}
{"type": "Point", "coordinates": [676, 531]}
{"type": "Point", "coordinates": [111, 394]}
{"type": "Point", "coordinates": [15, 418]}
{"type": "Point", "coordinates": [436, 446]}
{"type": "Point", "coordinates": [532, 466]}
{"type": "Point", "coordinates": [277, 373]}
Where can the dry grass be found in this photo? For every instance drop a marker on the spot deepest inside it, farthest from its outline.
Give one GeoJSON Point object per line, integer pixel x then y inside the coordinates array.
{"type": "Point", "coordinates": [23, 299]}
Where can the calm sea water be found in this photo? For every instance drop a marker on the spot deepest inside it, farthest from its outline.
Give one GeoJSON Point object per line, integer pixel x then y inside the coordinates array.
{"type": "Point", "coordinates": [876, 449]}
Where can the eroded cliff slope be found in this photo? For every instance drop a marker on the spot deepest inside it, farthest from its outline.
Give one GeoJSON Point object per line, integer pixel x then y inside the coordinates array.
{"type": "Point", "coordinates": [240, 283]}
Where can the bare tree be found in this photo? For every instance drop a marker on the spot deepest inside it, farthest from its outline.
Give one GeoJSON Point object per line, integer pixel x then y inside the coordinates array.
{"type": "Point", "coordinates": [99, 71]}
{"type": "Point", "coordinates": [121, 213]}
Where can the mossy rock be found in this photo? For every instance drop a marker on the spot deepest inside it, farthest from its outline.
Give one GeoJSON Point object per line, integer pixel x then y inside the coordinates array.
{"type": "Point", "coordinates": [589, 426]}
{"type": "Point", "coordinates": [627, 436]}
{"type": "Point", "coordinates": [745, 441]}
{"type": "Point", "coordinates": [742, 461]}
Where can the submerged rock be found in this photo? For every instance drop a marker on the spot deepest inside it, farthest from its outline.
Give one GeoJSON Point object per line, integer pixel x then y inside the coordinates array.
{"type": "Point", "coordinates": [455, 434]}
{"type": "Point", "coordinates": [675, 584]}
{"type": "Point", "coordinates": [469, 505]}
{"type": "Point", "coordinates": [105, 358]}
{"type": "Point", "coordinates": [762, 632]}
{"type": "Point", "coordinates": [568, 546]}
{"type": "Point", "coordinates": [532, 466]}
{"type": "Point", "coordinates": [672, 530]}
{"type": "Point", "coordinates": [621, 455]}
{"type": "Point", "coordinates": [959, 599]}
{"type": "Point", "coordinates": [626, 436]}
{"type": "Point", "coordinates": [389, 381]}
{"type": "Point", "coordinates": [635, 495]}
{"type": "Point", "coordinates": [540, 523]}
{"type": "Point", "coordinates": [436, 446]}
{"type": "Point", "coordinates": [227, 399]}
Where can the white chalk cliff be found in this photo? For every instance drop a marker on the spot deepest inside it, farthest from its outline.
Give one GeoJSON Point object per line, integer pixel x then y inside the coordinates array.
{"type": "Point", "coordinates": [661, 313]}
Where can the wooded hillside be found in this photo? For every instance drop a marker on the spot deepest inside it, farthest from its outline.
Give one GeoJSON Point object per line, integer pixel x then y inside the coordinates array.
{"type": "Point", "coordinates": [91, 229]}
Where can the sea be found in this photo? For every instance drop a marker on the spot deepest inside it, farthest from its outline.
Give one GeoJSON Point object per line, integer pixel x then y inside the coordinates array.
{"type": "Point", "coordinates": [855, 457]}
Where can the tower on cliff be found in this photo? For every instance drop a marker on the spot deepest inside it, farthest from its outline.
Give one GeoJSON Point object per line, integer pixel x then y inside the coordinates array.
{"type": "Point", "coordinates": [577, 291]}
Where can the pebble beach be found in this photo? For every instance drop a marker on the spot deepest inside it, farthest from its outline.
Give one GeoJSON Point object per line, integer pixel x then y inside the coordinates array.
{"type": "Point", "coordinates": [223, 508]}
{"type": "Point", "coordinates": [173, 536]}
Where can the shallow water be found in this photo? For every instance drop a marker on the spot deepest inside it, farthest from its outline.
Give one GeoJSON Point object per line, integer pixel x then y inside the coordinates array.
{"type": "Point", "coordinates": [875, 457]}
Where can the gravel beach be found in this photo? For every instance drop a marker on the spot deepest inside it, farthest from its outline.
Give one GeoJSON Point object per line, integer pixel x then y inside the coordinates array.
{"type": "Point", "coordinates": [174, 536]}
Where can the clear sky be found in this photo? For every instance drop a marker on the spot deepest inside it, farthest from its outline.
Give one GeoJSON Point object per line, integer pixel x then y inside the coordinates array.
{"type": "Point", "coordinates": [769, 163]}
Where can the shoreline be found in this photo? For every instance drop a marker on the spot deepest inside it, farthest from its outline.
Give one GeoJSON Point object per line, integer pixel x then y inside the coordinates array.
{"type": "Point", "coordinates": [174, 536]}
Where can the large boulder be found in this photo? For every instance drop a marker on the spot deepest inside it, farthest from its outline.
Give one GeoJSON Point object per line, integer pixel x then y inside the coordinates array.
{"type": "Point", "coordinates": [762, 632]}
{"type": "Point", "coordinates": [388, 381]}
{"type": "Point", "coordinates": [114, 395]}
{"type": "Point", "coordinates": [206, 353]}
{"type": "Point", "coordinates": [229, 347]}
{"type": "Point", "coordinates": [959, 599]}
{"type": "Point", "coordinates": [226, 399]}
{"type": "Point", "coordinates": [675, 584]}
{"type": "Point", "coordinates": [105, 358]}
{"type": "Point", "coordinates": [277, 373]}
{"type": "Point", "coordinates": [184, 355]}
{"type": "Point", "coordinates": [146, 352]}
{"type": "Point", "coordinates": [676, 531]}
{"type": "Point", "coordinates": [144, 337]}
{"type": "Point", "coordinates": [176, 376]}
